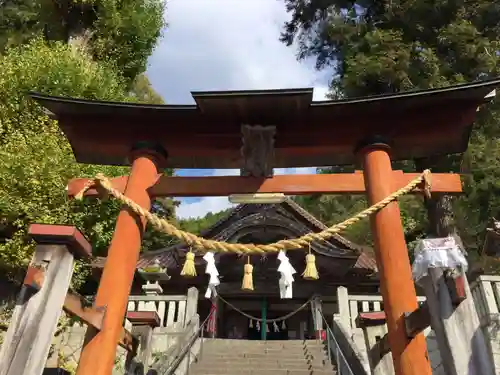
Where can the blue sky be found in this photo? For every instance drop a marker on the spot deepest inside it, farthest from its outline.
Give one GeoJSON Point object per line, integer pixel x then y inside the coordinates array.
{"type": "Point", "coordinates": [226, 45]}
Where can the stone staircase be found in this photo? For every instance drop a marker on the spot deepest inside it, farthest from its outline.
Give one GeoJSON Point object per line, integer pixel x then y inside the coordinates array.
{"type": "Point", "coordinates": [242, 357]}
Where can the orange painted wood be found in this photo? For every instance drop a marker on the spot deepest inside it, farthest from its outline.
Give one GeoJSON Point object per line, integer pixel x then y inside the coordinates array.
{"type": "Point", "coordinates": [149, 318]}
{"type": "Point", "coordinates": [208, 144]}
{"type": "Point", "coordinates": [348, 183]}
{"type": "Point", "coordinates": [62, 234]}
{"type": "Point", "coordinates": [99, 351]}
{"type": "Point", "coordinates": [396, 283]}
{"type": "Point", "coordinates": [375, 315]}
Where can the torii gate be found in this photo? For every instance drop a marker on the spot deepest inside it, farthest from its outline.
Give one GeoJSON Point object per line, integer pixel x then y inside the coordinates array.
{"type": "Point", "coordinates": [257, 131]}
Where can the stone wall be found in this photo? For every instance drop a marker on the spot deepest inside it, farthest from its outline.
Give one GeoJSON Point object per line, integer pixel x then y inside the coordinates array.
{"type": "Point", "coordinates": [486, 294]}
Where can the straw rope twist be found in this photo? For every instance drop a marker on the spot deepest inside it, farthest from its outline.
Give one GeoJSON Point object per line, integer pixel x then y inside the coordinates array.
{"type": "Point", "coordinates": [206, 245]}
{"type": "Point", "coordinates": [260, 320]}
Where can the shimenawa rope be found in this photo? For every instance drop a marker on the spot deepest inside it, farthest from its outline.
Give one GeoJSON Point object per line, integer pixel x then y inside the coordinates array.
{"type": "Point", "coordinates": [284, 317]}
{"type": "Point", "coordinates": [220, 246]}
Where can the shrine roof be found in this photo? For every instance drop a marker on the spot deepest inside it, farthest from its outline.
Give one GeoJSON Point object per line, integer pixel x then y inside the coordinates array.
{"type": "Point", "coordinates": [207, 134]}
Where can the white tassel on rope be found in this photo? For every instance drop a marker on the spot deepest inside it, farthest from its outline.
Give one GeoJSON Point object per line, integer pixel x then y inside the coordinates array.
{"type": "Point", "coordinates": [275, 327]}
{"type": "Point", "coordinates": [211, 270]}
{"type": "Point", "coordinates": [283, 325]}
{"type": "Point", "coordinates": [258, 326]}
{"type": "Point", "coordinates": [267, 328]}
{"type": "Point", "coordinates": [286, 280]}
{"type": "Point", "coordinates": [250, 324]}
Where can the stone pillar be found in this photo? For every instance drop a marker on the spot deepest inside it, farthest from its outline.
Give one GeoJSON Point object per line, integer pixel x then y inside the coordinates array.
{"type": "Point", "coordinates": [41, 299]}
{"type": "Point", "coordinates": [318, 318]}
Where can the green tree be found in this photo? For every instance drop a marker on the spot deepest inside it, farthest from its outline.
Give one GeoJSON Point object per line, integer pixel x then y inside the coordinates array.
{"type": "Point", "coordinates": [122, 31]}
{"type": "Point", "coordinates": [374, 47]}
{"type": "Point", "coordinates": [143, 91]}
{"type": "Point", "coordinates": [377, 47]}
{"type": "Point", "coordinates": [198, 225]}
{"type": "Point", "coordinates": [36, 160]}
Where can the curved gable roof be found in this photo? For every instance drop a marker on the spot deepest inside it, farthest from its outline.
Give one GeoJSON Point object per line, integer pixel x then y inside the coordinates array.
{"type": "Point", "coordinates": [291, 215]}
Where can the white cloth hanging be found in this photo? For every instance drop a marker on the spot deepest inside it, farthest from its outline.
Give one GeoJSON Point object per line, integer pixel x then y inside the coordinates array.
{"type": "Point", "coordinates": [283, 325]}
{"type": "Point", "coordinates": [267, 328]}
{"type": "Point", "coordinates": [211, 270]}
{"type": "Point", "coordinates": [286, 280]}
{"type": "Point", "coordinates": [258, 326]}
{"type": "Point", "coordinates": [250, 324]}
{"type": "Point", "coordinates": [443, 253]}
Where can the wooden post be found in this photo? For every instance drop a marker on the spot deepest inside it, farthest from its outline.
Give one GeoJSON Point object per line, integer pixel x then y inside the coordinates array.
{"type": "Point", "coordinates": [458, 330]}
{"type": "Point", "coordinates": [396, 283]}
{"type": "Point", "coordinates": [317, 315]}
{"type": "Point", "coordinates": [99, 351]}
{"type": "Point", "coordinates": [462, 345]}
{"type": "Point", "coordinates": [343, 308]}
{"type": "Point", "coordinates": [214, 319]}
{"type": "Point", "coordinates": [191, 305]}
{"type": "Point", "coordinates": [374, 331]}
{"type": "Point", "coordinates": [40, 302]}
{"type": "Point", "coordinates": [143, 323]}
{"type": "Point", "coordinates": [263, 327]}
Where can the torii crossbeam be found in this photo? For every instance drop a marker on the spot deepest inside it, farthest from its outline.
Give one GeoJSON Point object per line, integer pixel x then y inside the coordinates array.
{"type": "Point", "coordinates": [257, 131]}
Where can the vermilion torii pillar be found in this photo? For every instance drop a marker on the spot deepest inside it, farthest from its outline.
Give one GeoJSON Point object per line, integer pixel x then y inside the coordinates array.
{"type": "Point", "coordinates": [99, 351]}
{"type": "Point", "coordinates": [396, 283]}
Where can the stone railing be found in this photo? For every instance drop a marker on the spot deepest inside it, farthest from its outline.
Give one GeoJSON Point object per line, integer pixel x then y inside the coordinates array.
{"type": "Point", "coordinates": [351, 305]}
{"type": "Point", "coordinates": [175, 313]}
{"type": "Point", "coordinates": [362, 342]}
{"type": "Point", "coordinates": [485, 291]}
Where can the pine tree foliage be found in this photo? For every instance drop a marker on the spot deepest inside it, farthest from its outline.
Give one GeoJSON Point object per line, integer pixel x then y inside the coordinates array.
{"type": "Point", "coordinates": [376, 47]}
{"type": "Point", "coordinates": [373, 47]}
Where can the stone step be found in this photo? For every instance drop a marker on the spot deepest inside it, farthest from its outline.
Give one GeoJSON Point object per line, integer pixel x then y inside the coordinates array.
{"type": "Point", "coordinates": [237, 367]}
{"type": "Point", "coordinates": [292, 353]}
{"type": "Point", "coordinates": [274, 346]}
{"type": "Point", "coordinates": [236, 355]}
{"type": "Point", "coordinates": [248, 343]}
{"type": "Point", "coordinates": [249, 362]}
{"type": "Point", "coordinates": [261, 342]}
{"type": "Point", "coordinates": [261, 347]}
{"type": "Point", "coordinates": [260, 371]}
{"type": "Point", "coordinates": [202, 371]}
{"type": "Point", "coordinates": [242, 357]}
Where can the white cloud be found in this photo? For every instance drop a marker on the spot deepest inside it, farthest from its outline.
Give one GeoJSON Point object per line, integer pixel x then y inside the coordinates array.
{"type": "Point", "coordinates": [226, 45]}
{"type": "Point", "coordinates": [202, 207]}
{"type": "Point", "coordinates": [216, 204]}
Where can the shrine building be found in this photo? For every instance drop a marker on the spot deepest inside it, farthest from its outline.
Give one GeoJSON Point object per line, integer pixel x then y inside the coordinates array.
{"type": "Point", "coordinates": [340, 262]}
